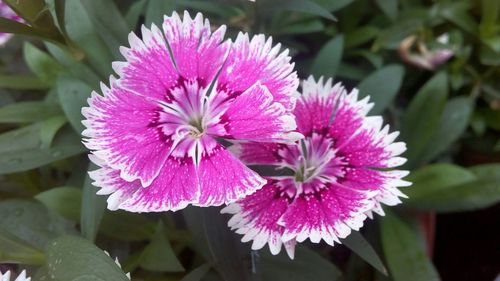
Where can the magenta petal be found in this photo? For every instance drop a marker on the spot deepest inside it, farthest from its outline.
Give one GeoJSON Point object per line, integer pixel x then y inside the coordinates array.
{"type": "Point", "coordinates": [256, 217]}
{"type": "Point", "coordinates": [224, 179]}
{"type": "Point", "coordinates": [254, 116]}
{"type": "Point", "coordinates": [253, 153]}
{"type": "Point", "coordinates": [328, 215]}
{"type": "Point", "coordinates": [198, 53]}
{"type": "Point", "coordinates": [255, 60]}
{"type": "Point", "coordinates": [119, 131]}
{"type": "Point", "coordinates": [173, 189]}
{"type": "Point", "coordinates": [148, 69]}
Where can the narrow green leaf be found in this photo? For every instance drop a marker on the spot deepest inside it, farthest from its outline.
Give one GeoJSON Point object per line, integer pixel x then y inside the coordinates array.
{"type": "Point", "coordinates": [159, 255]}
{"type": "Point", "coordinates": [10, 26]}
{"type": "Point", "coordinates": [74, 65]}
{"type": "Point", "coordinates": [220, 246]}
{"type": "Point", "coordinates": [74, 258]}
{"type": "Point", "coordinates": [389, 7]}
{"type": "Point", "coordinates": [299, 27]}
{"type": "Point", "coordinates": [28, 111]}
{"type": "Point", "coordinates": [92, 208]}
{"type": "Point", "coordinates": [406, 259]}
{"type": "Point", "coordinates": [22, 82]}
{"type": "Point", "coordinates": [22, 150]}
{"type": "Point", "coordinates": [489, 18]}
{"type": "Point", "coordinates": [15, 250]}
{"type": "Point", "coordinates": [303, 6]}
{"type": "Point", "coordinates": [32, 222]}
{"type": "Point", "coordinates": [81, 30]}
{"type": "Point", "coordinates": [49, 129]}
{"type": "Point", "coordinates": [65, 200]}
{"type": "Point", "coordinates": [454, 120]}
{"type": "Point", "coordinates": [306, 266]}
{"type": "Point", "coordinates": [360, 36]}
{"type": "Point", "coordinates": [198, 273]}
{"type": "Point", "coordinates": [156, 9]}
{"type": "Point", "coordinates": [449, 188]}
{"type": "Point", "coordinates": [109, 23]}
{"type": "Point", "coordinates": [328, 59]}
{"type": "Point", "coordinates": [422, 116]}
{"type": "Point", "coordinates": [134, 12]}
{"type": "Point", "coordinates": [333, 6]}
{"type": "Point", "coordinates": [382, 94]}
{"type": "Point", "coordinates": [358, 244]}
{"type": "Point", "coordinates": [127, 226]}
{"type": "Point", "coordinates": [41, 64]}
{"type": "Point", "coordinates": [432, 178]}
{"type": "Point", "coordinates": [73, 95]}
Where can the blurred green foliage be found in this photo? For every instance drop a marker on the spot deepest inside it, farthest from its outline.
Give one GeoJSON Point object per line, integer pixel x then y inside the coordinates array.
{"type": "Point", "coordinates": [449, 117]}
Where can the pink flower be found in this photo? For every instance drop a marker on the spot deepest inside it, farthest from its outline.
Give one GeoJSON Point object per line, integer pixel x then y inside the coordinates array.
{"type": "Point", "coordinates": [425, 58]}
{"type": "Point", "coordinates": [340, 173]}
{"type": "Point", "coordinates": [156, 130]}
{"type": "Point", "coordinates": [6, 12]}
{"type": "Point", "coordinates": [6, 276]}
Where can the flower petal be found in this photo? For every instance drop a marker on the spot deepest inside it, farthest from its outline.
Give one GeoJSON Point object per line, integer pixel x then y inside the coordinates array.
{"type": "Point", "coordinates": [174, 188]}
{"type": "Point", "coordinates": [256, 217]}
{"type": "Point", "coordinates": [198, 53]}
{"type": "Point", "coordinates": [328, 214]}
{"type": "Point", "coordinates": [121, 130]}
{"type": "Point", "coordinates": [148, 70]}
{"type": "Point", "coordinates": [254, 116]}
{"type": "Point", "coordinates": [254, 153]}
{"type": "Point", "coordinates": [223, 178]}
{"type": "Point", "coordinates": [255, 60]}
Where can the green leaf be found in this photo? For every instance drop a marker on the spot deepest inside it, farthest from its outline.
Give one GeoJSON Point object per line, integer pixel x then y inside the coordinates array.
{"type": "Point", "coordinates": [454, 121]}
{"type": "Point", "coordinates": [32, 222]}
{"type": "Point", "coordinates": [307, 26]}
{"type": "Point", "coordinates": [73, 258]}
{"type": "Point", "coordinates": [422, 117]}
{"type": "Point", "coordinates": [22, 150]}
{"type": "Point", "coordinates": [11, 26]}
{"type": "Point", "coordinates": [333, 5]}
{"type": "Point", "coordinates": [73, 95]}
{"type": "Point", "coordinates": [328, 59]}
{"type": "Point", "coordinates": [15, 250]}
{"type": "Point", "coordinates": [109, 23]}
{"type": "Point", "coordinates": [28, 111]}
{"type": "Point", "coordinates": [65, 200]}
{"type": "Point", "coordinates": [432, 178]}
{"type": "Point", "coordinates": [489, 18]}
{"type": "Point", "coordinates": [22, 82]}
{"type": "Point", "coordinates": [449, 188]}
{"type": "Point", "coordinates": [82, 31]}
{"type": "Point", "coordinates": [358, 244]}
{"type": "Point", "coordinates": [389, 7]}
{"type": "Point", "coordinates": [74, 65]}
{"type": "Point", "coordinates": [217, 243]}
{"type": "Point", "coordinates": [92, 208]}
{"type": "Point", "coordinates": [49, 129]}
{"type": "Point", "coordinates": [134, 12]}
{"type": "Point", "coordinates": [406, 259]}
{"type": "Point", "coordinates": [127, 226]}
{"type": "Point", "coordinates": [360, 36]}
{"type": "Point", "coordinates": [41, 64]}
{"type": "Point", "coordinates": [303, 6]}
{"type": "Point", "coordinates": [159, 255]}
{"type": "Point", "coordinates": [156, 9]}
{"type": "Point", "coordinates": [306, 266]}
{"type": "Point", "coordinates": [382, 94]}
{"type": "Point", "coordinates": [198, 273]}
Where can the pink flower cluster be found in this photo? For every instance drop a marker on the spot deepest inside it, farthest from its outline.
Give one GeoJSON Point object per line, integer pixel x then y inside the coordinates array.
{"type": "Point", "coordinates": [188, 111]}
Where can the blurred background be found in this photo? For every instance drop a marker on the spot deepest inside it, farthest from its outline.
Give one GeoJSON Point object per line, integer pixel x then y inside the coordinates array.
{"type": "Point", "coordinates": [431, 67]}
